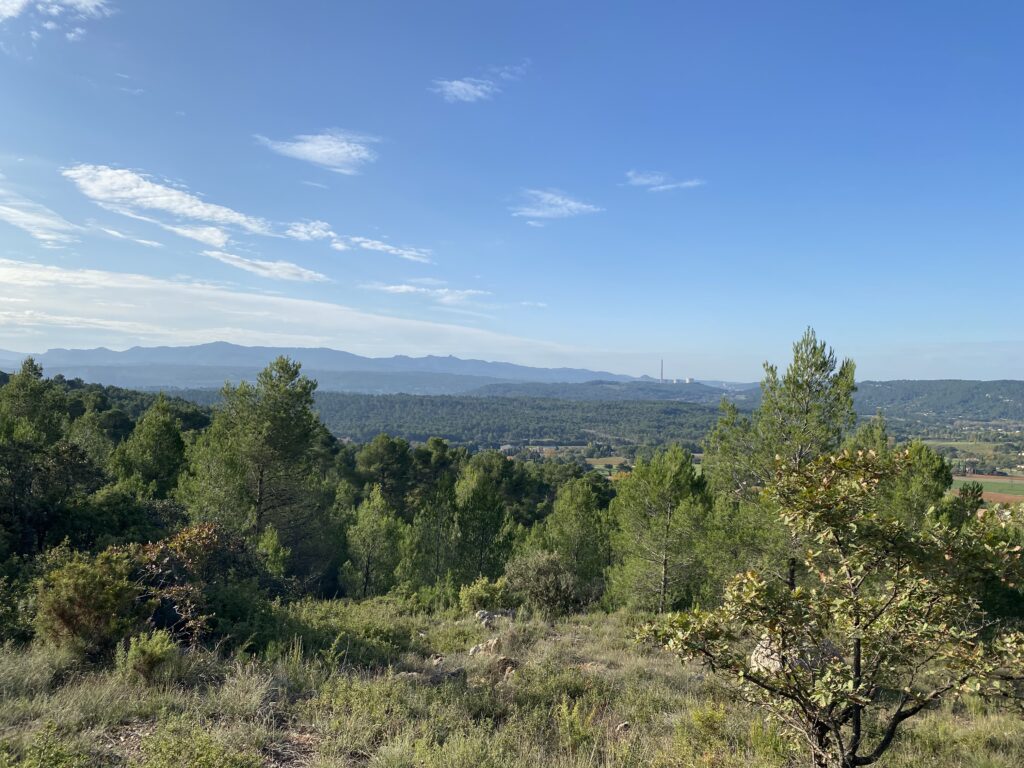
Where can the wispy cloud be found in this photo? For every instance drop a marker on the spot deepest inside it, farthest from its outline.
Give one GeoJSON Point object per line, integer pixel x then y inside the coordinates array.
{"type": "Point", "coordinates": [122, 236]}
{"type": "Point", "coordinates": [61, 301]}
{"type": "Point", "coordinates": [468, 89]}
{"type": "Point", "coordinates": [48, 227]}
{"type": "Point", "coordinates": [315, 230]}
{"type": "Point", "coordinates": [214, 236]}
{"type": "Point", "coordinates": [421, 255]}
{"type": "Point", "coordinates": [119, 188]}
{"type": "Point", "coordinates": [141, 197]}
{"type": "Point", "coordinates": [10, 9]}
{"type": "Point", "coordinates": [550, 204]}
{"type": "Point", "coordinates": [338, 151]}
{"type": "Point", "coordinates": [512, 72]}
{"type": "Point", "coordinates": [65, 16]}
{"type": "Point", "coordinates": [447, 296]}
{"type": "Point", "coordinates": [278, 270]}
{"type": "Point", "coordinates": [656, 181]}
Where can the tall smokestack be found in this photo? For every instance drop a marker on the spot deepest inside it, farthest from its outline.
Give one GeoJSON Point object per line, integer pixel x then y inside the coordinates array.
{"type": "Point", "coordinates": [663, 371]}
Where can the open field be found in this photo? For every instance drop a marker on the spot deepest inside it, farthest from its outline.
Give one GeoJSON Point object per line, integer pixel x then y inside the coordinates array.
{"type": "Point", "coordinates": [573, 694]}
{"type": "Point", "coordinates": [985, 450]}
{"type": "Point", "coordinates": [606, 461]}
{"type": "Point", "coordinates": [998, 488]}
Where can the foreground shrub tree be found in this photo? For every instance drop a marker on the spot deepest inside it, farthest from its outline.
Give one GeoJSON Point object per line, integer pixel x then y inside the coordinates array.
{"type": "Point", "coordinates": [878, 625]}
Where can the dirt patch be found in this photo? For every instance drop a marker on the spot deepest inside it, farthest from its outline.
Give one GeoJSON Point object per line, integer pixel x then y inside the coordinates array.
{"type": "Point", "coordinates": [994, 478]}
{"type": "Point", "coordinates": [1002, 498]}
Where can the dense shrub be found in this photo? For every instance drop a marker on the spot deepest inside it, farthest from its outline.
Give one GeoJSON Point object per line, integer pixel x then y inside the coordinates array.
{"type": "Point", "coordinates": [541, 580]}
{"type": "Point", "coordinates": [47, 749]}
{"type": "Point", "coordinates": [152, 657]}
{"type": "Point", "coordinates": [206, 582]}
{"type": "Point", "coordinates": [484, 594]}
{"type": "Point", "coordinates": [15, 609]}
{"type": "Point", "coordinates": [90, 603]}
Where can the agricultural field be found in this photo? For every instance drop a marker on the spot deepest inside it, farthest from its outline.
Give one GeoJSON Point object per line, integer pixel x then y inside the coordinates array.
{"type": "Point", "coordinates": [999, 489]}
{"type": "Point", "coordinates": [607, 464]}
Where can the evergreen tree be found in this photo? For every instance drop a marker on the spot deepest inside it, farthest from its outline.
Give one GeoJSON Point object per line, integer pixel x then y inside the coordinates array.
{"type": "Point", "coordinates": [261, 462]}
{"type": "Point", "coordinates": [374, 548]}
{"type": "Point", "coordinates": [802, 415]}
{"type": "Point", "coordinates": [577, 532]}
{"type": "Point", "coordinates": [32, 409]}
{"type": "Point", "coordinates": [484, 523]}
{"type": "Point", "coordinates": [155, 451]}
{"type": "Point", "coordinates": [658, 511]}
{"type": "Point", "coordinates": [387, 463]}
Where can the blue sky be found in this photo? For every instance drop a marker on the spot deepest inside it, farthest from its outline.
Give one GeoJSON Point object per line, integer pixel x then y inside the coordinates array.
{"type": "Point", "coordinates": [600, 184]}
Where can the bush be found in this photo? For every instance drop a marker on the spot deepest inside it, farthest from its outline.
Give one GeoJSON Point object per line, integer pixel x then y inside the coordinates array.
{"type": "Point", "coordinates": [207, 581]}
{"type": "Point", "coordinates": [176, 744]}
{"type": "Point", "coordinates": [15, 609]}
{"type": "Point", "coordinates": [540, 580]}
{"type": "Point", "coordinates": [153, 657]}
{"type": "Point", "coordinates": [90, 603]}
{"type": "Point", "coordinates": [47, 750]}
{"type": "Point", "coordinates": [484, 595]}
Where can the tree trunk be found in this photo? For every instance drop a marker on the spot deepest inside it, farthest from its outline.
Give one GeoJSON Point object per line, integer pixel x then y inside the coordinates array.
{"type": "Point", "coordinates": [259, 501]}
{"type": "Point", "coordinates": [664, 582]}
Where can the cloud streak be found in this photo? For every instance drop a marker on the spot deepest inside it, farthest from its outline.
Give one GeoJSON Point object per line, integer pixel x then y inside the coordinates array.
{"type": "Point", "coordinates": [316, 230]}
{"type": "Point", "coordinates": [421, 255]}
{"type": "Point", "coordinates": [472, 89]}
{"type": "Point", "coordinates": [276, 270]}
{"type": "Point", "coordinates": [339, 151]}
{"type": "Point", "coordinates": [655, 181]}
{"type": "Point", "coordinates": [468, 89]}
{"type": "Point", "coordinates": [551, 204]}
{"type": "Point", "coordinates": [446, 296]}
{"type": "Point", "coordinates": [48, 227]}
{"type": "Point", "coordinates": [121, 189]}
{"type": "Point", "coordinates": [140, 196]}
{"type": "Point", "coordinates": [122, 236]}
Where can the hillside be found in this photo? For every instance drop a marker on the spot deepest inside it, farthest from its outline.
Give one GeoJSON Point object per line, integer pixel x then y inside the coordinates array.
{"type": "Point", "coordinates": [494, 421]}
{"type": "Point", "coordinates": [693, 392]}
{"type": "Point", "coordinates": [943, 399]}
{"type": "Point", "coordinates": [931, 401]}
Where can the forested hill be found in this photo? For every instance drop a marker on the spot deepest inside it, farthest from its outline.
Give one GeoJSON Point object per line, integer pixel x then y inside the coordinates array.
{"type": "Point", "coordinates": [690, 392]}
{"type": "Point", "coordinates": [942, 399]}
{"type": "Point", "coordinates": [490, 422]}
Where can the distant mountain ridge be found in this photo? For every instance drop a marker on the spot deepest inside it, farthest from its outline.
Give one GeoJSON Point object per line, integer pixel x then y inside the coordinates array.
{"type": "Point", "coordinates": [210, 365]}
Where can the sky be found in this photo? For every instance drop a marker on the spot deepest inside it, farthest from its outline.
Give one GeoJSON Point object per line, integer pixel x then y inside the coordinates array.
{"type": "Point", "coordinates": [583, 184]}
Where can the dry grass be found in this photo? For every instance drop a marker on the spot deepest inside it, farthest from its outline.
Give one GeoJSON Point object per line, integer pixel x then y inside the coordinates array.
{"type": "Point", "coordinates": [580, 694]}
